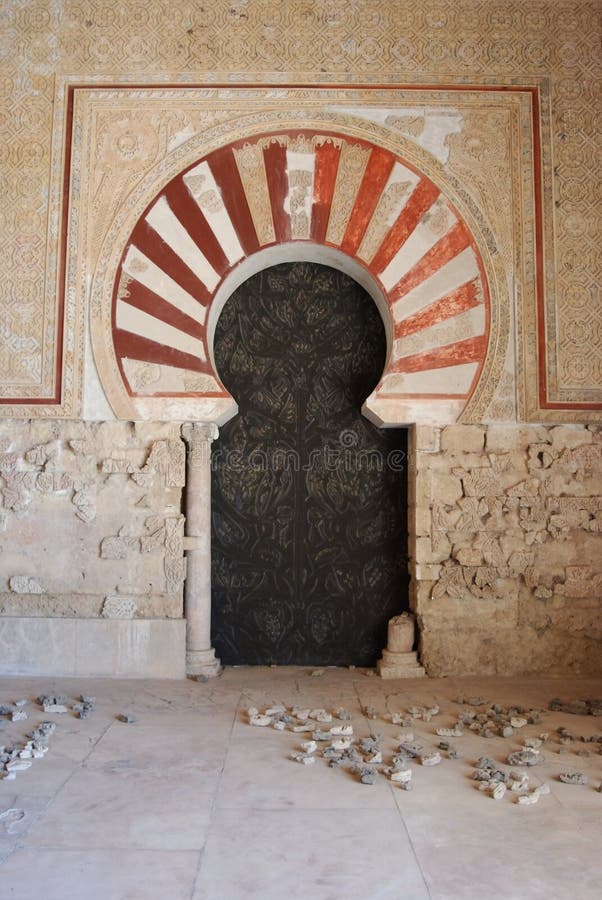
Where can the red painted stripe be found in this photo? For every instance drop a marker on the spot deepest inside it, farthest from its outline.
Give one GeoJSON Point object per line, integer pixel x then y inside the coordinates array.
{"type": "Point", "coordinates": [135, 347]}
{"type": "Point", "coordinates": [327, 165]}
{"type": "Point", "coordinates": [471, 350]}
{"type": "Point", "coordinates": [148, 241]}
{"type": "Point", "coordinates": [373, 184]}
{"type": "Point", "coordinates": [275, 167]}
{"type": "Point", "coordinates": [142, 298]}
{"type": "Point", "coordinates": [185, 207]}
{"type": "Point", "coordinates": [452, 304]}
{"type": "Point", "coordinates": [452, 243]}
{"type": "Point", "coordinates": [225, 171]}
{"type": "Point", "coordinates": [422, 198]}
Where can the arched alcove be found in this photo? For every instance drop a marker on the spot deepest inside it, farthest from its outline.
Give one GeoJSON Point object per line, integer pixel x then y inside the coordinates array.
{"type": "Point", "coordinates": [296, 195]}
{"type": "Point", "coordinates": [309, 501]}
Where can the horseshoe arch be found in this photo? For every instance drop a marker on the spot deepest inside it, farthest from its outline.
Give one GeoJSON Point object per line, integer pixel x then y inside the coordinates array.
{"type": "Point", "coordinates": [296, 195]}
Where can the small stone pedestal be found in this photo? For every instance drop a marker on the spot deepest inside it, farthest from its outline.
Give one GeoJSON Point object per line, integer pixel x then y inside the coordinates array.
{"type": "Point", "coordinates": [399, 660]}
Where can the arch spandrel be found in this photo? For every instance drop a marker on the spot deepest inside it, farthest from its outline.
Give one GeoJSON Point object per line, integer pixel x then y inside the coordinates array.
{"type": "Point", "coordinates": [321, 196]}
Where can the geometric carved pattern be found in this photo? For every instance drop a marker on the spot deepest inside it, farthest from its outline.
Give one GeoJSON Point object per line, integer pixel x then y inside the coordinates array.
{"type": "Point", "coordinates": [317, 187]}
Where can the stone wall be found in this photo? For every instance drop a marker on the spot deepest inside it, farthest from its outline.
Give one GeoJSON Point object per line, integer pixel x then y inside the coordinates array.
{"type": "Point", "coordinates": [507, 550]}
{"type": "Point", "coordinates": [90, 521]}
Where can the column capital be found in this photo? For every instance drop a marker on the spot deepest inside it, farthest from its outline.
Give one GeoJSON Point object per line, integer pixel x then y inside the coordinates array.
{"type": "Point", "coordinates": [196, 432]}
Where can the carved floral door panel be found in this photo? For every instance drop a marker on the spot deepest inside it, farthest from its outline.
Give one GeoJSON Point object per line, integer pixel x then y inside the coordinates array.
{"type": "Point", "coordinates": [309, 498]}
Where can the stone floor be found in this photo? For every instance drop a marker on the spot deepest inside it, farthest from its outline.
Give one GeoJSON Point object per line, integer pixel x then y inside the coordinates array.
{"type": "Point", "coordinates": [190, 802]}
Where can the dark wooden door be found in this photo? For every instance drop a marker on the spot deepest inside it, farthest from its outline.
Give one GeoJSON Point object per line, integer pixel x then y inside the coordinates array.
{"type": "Point", "coordinates": [309, 498]}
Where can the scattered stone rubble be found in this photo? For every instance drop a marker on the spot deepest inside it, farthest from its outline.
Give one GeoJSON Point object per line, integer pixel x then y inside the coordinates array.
{"type": "Point", "coordinates": [577, 707]}
{"type": "Point", "coordinates": [331, 736]}
{"type": "Point", "coordinates": [18, 757]}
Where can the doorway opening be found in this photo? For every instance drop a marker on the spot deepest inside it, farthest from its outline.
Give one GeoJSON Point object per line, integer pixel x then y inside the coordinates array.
{"type": "Point", "coordinates": [309, 499]}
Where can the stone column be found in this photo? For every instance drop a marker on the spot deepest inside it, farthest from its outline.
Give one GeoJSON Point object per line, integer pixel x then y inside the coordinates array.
{"type": "Point", "coordinates": [200, 655]}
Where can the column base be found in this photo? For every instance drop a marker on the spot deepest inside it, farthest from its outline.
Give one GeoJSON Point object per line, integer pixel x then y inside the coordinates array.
{"type": "Point", "coordinates": [202, 662]}
{"type": "Point", "coordinates": [399, 665]}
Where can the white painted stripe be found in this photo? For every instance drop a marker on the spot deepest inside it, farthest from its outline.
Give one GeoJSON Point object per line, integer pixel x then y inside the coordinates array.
{"type": "Point", "coordinates": [168, 226]}
{"type": "Point", "coordinates": [448, 380]}
{"type": "Point", "coordinates": [142, 269]}
{"type": "Point", "coordinates": [419, 242]}
{"type": "Point", "coordinates": [400, 186]}
{"type": "Point", "coordinates": [203, 187]}
{"type": "Point", "coordinates": [129, 318]}
{"type": "Point", "coordinates": [458, 271]}
{"type": "Point", "coordinates": [298, 201]}
{"type": "Point", "coordinates": [465, 325]}
{"type": "Point", "coordinates": [399, 175]}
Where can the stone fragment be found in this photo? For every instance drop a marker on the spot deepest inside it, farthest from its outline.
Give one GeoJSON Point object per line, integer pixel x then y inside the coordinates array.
{"type": "Point", "coordinates": [519, 781]}
{"type": "Point", "coordinates": [368, 775]}
{"type": "Point", "coordinates": [54, 708]}
{"type": "Point", "coordinates": [19, 715]}
{"type": "Point", "coordinates": [332, 753]}
{"type": "Point", "coordinates": [260, 721]}
{"type": "Point", "coordinates": [507, 731]}
{"type": "Point", "coordinates": [128, 718]}
{"type": "Point", "coordinates": [18, 765]}
{"type": "Point", "coordinates": [84, 706]}
{"type": "Point", "coordinates": [306, 759]}
{"type": "Point", "coordinates": [321, 735]}
{"type": "Point", "coordinates": [518, 722]}
{"type": "Point", "coordinates": [498, 790]}
{"type": "Point", "coordinates": [341, 730]}
{"type": "Point", "coordinates": [410, 749]}
{"type": "Point", "coordinates": [369, 745]}
{"type": "Point", "coordinates": [375, 758]}
{"type": "Point", "coordinates": [317, 673]}
{"type": "Point", "coordinates": [401, 776]}
{"type": "Point", "coordinates": [309, 746]}
{"type": "Point", "coordinates": [431, 759]}
{"type": "Point", "coordinates": [323, 717]}
{"type": "Point", "coordinates": [297, 729]}
{"type": "Point", "coordinates": [528, 799]}
{"type": "Point", "coordinates": [20, 703]}
{"type": "Point", "coordinates": [405, 736]}
{"type": "Point", "coordinates": [300, 713]}
{"type": "Point", "coordinates": [370, 712]}
{"type": "Point", "coordinates": [342, 743]}
{"type": "Point", "coordinates": [342, 714]}
{"type": "Point", "coordinates": [449, 732]}
{"type": "Point", "coordinates": [279, 725]}
{"type": "Point", "coordinates": [572, 778]}
{"type": "Point", "coordinates": [275, 711]}
{"type": "Point", "coordinates": [526, 757]}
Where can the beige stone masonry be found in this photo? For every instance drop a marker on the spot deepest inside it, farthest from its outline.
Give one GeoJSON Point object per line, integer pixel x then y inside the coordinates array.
{"type": "Point", "coordinates": [507, 567]}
